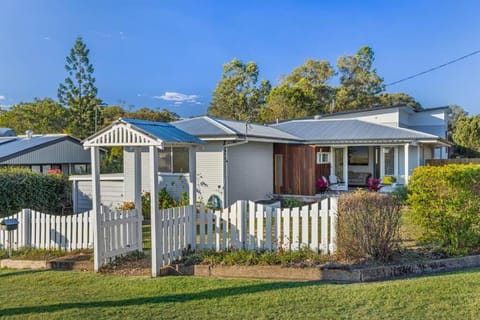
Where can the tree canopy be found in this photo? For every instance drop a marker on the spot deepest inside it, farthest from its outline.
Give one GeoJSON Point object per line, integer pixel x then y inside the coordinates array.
{"type": "Point", "coordinates": [238, 95]}
{"type": "Point", "coordinates": [359, 81]}
{"type": "Point", "coordinates": [41, 116]}
{"type": "Point", "coordinates": [466, 135]}
{"type": "Point", "coordinates": [304, 92]}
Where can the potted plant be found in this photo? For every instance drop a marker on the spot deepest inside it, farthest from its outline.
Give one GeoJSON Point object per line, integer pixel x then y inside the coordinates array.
{"type": "Point", "coordinates": [322, 184]}
{"type": "Point", "coordinates": [389, 180]}
{"type": "Point", "coordinates": [374, 184]}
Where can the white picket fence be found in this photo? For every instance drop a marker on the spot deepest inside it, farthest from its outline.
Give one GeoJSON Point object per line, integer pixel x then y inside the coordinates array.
{"type": "Point", "coordinates": [121, 232]}
{"type": "Point", "coordinates": [246, 225]}
{"type": "Point", "coordinates": [44, 231]}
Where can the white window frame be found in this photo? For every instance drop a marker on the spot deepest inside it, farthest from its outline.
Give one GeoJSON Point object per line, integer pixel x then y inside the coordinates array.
{"type": "Point", "coordinates": [323, 157]}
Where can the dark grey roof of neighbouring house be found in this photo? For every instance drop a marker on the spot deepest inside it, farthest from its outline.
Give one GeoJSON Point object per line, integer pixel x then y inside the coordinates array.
{"type": "Point", "coordinates": [163, 131]}
{"type": "Point", "coordinates": [209, 127]}
{"type": "Point", "coordinates": [329, 130]}
{"type": "Point", "coordinates": [11, 147]}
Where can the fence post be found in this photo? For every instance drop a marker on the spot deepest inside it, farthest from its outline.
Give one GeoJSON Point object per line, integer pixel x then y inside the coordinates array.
{"type": "Point", "coordinates": [26, 225]}
{"type": "Point", "coordinates": [333, 224]}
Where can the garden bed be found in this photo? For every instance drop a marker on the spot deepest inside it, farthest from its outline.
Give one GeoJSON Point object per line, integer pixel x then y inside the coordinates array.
{"type": "Point", "coordinates": [330, 272]}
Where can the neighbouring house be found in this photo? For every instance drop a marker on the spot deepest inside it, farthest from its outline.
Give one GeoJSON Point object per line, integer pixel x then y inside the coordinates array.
{"type": "Point", "coordinates": [43, 152]}
{"type": "Point", "coordinates": [251, 161]}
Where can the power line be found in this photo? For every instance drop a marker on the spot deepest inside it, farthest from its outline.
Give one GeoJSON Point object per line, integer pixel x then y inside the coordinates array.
{"type": "Point", "coordinates": [433, 69]}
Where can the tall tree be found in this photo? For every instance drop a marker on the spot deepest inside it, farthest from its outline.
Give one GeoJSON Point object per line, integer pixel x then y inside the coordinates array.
{"type": "Point", "coordinates": [466, 135]}
{"type": "Point", "coordinates": [152, 115]}
{"type": "Point", "coordinates": [359, 82]}
{"type": "Point", "coordinates": [397, 99]}
{"type": "Point", "coordinates": [302, 93]}
{"type": "Point", "coordinates": [238, 94]}
{"type": "Point", "coordinates": [79, 93]}
{"type": "Point", "coordinates": [41, 116]}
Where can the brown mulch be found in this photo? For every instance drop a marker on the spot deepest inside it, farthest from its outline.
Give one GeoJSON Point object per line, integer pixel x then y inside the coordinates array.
{"type": "Point", "coordinates": [130, 266]}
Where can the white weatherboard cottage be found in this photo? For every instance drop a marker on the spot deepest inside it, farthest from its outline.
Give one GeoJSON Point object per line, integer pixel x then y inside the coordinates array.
{"type": "Point", "coordinates": [251, 161]}
{"type": "Point", "coordinates": [137, 134]}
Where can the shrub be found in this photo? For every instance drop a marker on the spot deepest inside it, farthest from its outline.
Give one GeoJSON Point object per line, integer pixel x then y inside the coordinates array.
{"type": "Point", "coordinates": [291, 203]}
{"type": "Point", "coordinates": [445, 202]}
{"type": "Point", "coordinates": [22, 188]}
{"type": "Point", "coordinates": [368, 225]}
{"type": "Point", "coordinates": [165, 201]}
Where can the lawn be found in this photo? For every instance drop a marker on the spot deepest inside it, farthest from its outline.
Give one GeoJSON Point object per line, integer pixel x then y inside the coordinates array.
{"type": "Point", "coordinates": [74, 295]}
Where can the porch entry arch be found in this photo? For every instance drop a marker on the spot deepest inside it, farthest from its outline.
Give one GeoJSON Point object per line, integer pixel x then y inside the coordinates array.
{"type": "Point", "coordinates": [138, 134]}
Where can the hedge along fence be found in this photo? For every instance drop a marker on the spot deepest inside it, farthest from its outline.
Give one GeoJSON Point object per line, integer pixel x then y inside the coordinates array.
{"type": "Point", "coordinates": [368, 225]}
{"type": "Point", "coordinates": [23, 188]}
{"type": "Point", "coordinates": [445, 202]}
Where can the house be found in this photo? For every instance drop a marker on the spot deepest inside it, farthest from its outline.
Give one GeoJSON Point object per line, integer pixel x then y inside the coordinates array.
{"type": "Point", "coordinates": [237, 161]}
{"type": "Point", "coordinates": [44, 152]}
{"type": "Point", "coordinates": [251, 161]}
{"type": "Point", "coordinates": [245, 161]}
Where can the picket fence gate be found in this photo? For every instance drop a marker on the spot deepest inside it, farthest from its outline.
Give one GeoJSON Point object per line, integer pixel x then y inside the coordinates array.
{"type": "Point", "coordinates": [121, 231]}
{"type": "Point", "coordinates": [246, 225]}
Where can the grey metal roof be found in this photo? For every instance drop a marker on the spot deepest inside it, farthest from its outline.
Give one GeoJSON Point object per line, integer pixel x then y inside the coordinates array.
{"type": "Point", "coordinates": [163, 131]}
{"type": "Point", "coordinates": [7, 132]}
{"type": "Point", "coordinates": [208, 127]}
{"type": "Point", "coordinates": [15, 146]}
{"type": "Point", "coordinates": [330, 130]}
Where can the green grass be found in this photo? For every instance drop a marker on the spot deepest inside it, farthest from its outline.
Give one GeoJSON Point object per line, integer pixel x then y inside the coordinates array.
{"type": "Point", "coordinates": [147, 237]}
{"type": "Point", "coordinates": [74, 295]}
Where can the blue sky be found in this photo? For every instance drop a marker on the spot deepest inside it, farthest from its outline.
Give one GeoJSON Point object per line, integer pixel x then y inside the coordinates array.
{"type": "Point", "coordinates": [169, 54]}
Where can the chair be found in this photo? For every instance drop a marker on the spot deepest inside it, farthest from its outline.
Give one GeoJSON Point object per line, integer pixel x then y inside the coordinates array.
{"type": "Point", "coordinates": [335, 184]}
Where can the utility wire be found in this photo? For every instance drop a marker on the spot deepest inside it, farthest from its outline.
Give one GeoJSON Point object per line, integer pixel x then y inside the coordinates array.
{"type": "Point", "coordinates": [433, 69]}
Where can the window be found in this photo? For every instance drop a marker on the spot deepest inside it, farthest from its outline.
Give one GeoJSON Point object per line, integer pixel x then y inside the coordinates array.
{"type": "Point", "coordinates": [81, 169]}
{"type": "Point", "coordinates": [174, 160]}
{"type": "Point", "coordinates": [165, 160]}
{"type": "Point", "coordinates": [323, 157]}
{"type": "Point", "coordinates": [358, 156]}
{"type": "Point", "coordinates": [181, 160]}
{"type": "Point", "coordinates": [389, 161]}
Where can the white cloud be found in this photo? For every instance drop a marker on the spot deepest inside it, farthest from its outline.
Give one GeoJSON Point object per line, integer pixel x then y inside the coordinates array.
{"type": "Point", "coordinates": [47, 38]}
{"type": "Point", "coordinates": [2, 98]}
{"type": "Point", "coordinates": [179, 98]}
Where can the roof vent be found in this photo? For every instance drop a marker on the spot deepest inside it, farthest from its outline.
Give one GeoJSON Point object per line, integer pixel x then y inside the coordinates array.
{"type": "Point", "coordinates": [29, 134]}
{"type": "Point", "coordinates": [317, 117]}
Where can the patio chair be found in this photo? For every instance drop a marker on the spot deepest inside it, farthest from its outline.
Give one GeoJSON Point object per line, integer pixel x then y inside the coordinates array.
{"type": "Point", "coordinates": [335, 183]}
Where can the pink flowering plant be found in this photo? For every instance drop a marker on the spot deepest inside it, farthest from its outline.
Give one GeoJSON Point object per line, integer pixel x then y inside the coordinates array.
{"type": "Point", "coordinates": [322, 184]}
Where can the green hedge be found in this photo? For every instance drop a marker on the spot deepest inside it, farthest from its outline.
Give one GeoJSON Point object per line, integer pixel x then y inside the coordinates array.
{"type": "Point", "coordinates": [23, 188]}
{"type": "Point", "coordinates": [445, 202]}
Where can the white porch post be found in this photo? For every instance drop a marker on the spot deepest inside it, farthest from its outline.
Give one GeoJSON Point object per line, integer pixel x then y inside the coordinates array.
{"type": "Point", "coordinates": [154, 218]}
{"type": "Point", "coordinates": [407, 165]}
{"type": "Point", "coordinates": [395, 161]}
{"type": "Point", "coordinates": [98, 247]}
{"type": "Point", "coordinates": [192, 186]}
{"type": "Point", "coordinates": [382, 162]}
{"type": "Point", "coordinates": [345, 166]}
{"type": "Point", "coordinates": [137, 189]}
